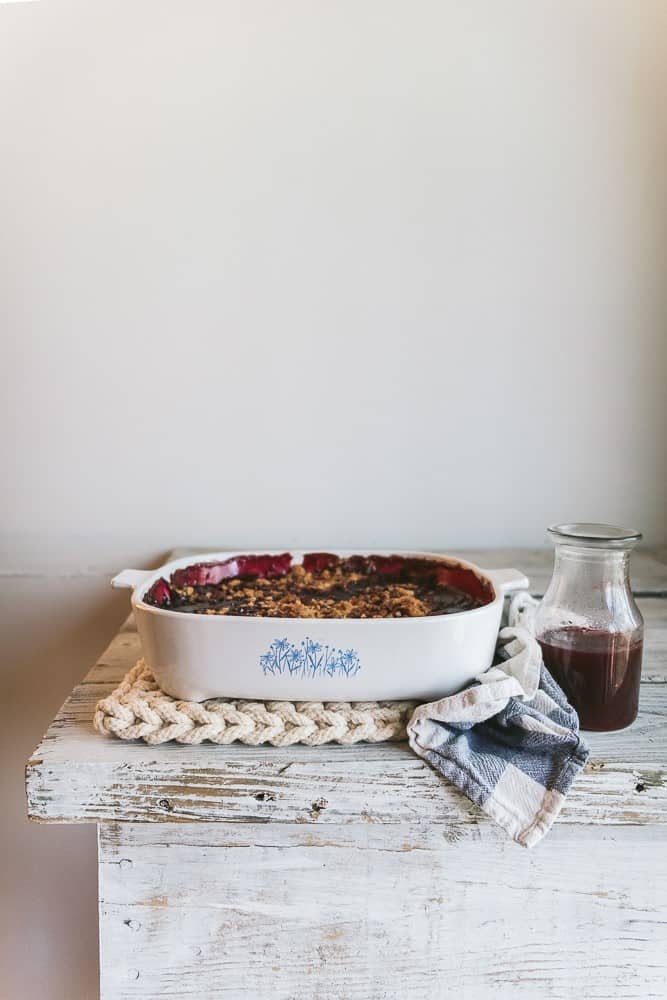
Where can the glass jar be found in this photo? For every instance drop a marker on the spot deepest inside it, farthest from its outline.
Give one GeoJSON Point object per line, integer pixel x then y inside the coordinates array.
{"type": "Point", "coordinates": [589, 626]}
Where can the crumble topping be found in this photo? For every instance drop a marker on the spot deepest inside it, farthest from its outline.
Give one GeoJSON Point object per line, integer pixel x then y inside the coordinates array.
{"type": "Point", "coordinates": [323, 586]}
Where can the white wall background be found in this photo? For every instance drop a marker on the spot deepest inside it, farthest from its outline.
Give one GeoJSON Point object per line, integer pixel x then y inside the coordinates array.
{"type": "Point", "coordinates": [365, 272]}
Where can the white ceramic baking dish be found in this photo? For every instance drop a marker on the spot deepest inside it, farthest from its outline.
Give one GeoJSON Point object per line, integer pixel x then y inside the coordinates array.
{"type": "Point", "coordinates": [196, 656]}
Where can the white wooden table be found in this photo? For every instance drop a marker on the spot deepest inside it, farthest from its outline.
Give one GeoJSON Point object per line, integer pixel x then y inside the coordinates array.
{"type": "Point", "coordinates": [355, 873]}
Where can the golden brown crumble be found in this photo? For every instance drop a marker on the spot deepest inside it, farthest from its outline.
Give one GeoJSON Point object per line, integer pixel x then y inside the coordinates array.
{"type": "Point", "coordinates": [337, 591]}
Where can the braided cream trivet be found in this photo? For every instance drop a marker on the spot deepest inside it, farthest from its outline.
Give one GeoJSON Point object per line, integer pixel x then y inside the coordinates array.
{"type": "Point", "coordinates": [139, 710]}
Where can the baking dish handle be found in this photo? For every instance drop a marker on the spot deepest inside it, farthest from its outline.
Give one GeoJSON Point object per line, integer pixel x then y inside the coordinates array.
{"type": "Point", "coordinates": [508, 580]}
{"type": "Point", "coordinates": [130, 579]}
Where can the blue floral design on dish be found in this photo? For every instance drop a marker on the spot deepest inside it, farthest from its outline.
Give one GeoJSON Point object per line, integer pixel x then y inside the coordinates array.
{"type": "Point", "coordinates": [309, 659]}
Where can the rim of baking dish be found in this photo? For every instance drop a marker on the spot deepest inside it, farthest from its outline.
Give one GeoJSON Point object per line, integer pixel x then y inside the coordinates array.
{"type": "Point", "coordinates": [199, 557]}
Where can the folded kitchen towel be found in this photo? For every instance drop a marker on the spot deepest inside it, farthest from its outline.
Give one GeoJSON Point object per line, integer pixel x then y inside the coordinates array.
{"type": "Point", "coordinates": [510, 741]}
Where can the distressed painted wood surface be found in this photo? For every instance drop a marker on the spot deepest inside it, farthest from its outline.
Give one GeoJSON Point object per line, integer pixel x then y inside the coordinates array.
{"type": "Point", "coordinates": [374, 912]}
{"type": "Point", "coordinates": [75, 775]}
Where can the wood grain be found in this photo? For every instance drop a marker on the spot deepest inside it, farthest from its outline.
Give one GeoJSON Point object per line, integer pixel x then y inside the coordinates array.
{"type": "Point", "coordinates": [85, 778]}
{"type": "Point", "coordinates": [370, 912]}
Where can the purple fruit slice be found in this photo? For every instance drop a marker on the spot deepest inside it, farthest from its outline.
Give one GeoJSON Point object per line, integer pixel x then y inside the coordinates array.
{"type": "Point", "coordinates": [247, 567]}
{"type": "Point", "coordinates": [158, 594]}
{"type": "Point", "coordinates": [315, 562]}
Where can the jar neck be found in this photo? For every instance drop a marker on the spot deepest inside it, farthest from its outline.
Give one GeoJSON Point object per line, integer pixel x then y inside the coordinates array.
{"type": "Point", "coordinates": [606, 565]}
{"type": "Point", "coordinates": [590, 589]}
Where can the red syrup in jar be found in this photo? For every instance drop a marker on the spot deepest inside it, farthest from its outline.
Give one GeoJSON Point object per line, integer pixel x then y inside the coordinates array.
{"type": "Point", "coordinates": [599, 672]}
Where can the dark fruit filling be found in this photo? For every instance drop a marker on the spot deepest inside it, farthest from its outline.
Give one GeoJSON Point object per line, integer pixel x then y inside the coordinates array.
{"type": "Point", "coordinates": [322, 586]}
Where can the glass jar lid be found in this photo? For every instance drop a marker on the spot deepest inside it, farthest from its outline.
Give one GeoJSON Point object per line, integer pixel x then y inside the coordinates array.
{"type": "Point", "coordinates": [603, 536]}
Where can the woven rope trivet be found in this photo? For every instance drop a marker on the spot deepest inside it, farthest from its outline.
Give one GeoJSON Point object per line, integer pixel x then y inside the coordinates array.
{"type": "Point", "coordinates": [139, 710]}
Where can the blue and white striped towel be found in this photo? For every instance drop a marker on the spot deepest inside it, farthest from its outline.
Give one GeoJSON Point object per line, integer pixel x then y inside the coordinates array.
{"type": "Point", "coordinates": [510, 741]}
